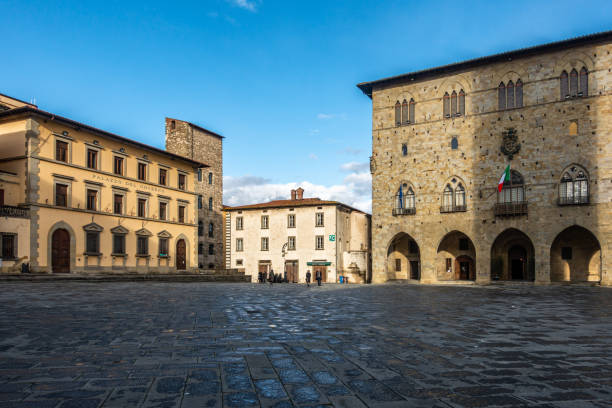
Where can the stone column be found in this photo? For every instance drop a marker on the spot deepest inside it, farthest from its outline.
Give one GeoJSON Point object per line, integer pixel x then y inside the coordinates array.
{"type": "Point", "coordinates": [428, 264]}
{"type": "Point", "coordinates": [483, 264]}
{"type": "Point", "coordinates": [542, 264]}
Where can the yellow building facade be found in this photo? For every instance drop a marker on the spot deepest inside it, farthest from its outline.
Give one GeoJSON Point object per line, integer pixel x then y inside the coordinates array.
{"type": "Point", "coordinates": [76, 199]}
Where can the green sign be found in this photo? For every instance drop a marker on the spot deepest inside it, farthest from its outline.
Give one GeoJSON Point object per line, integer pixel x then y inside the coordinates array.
{"type": "Point", "coordinates": [332, 237]}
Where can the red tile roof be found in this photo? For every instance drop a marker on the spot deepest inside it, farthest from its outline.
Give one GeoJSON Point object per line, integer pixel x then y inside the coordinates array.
{"type": "Point", "coordinates": [305, 202]}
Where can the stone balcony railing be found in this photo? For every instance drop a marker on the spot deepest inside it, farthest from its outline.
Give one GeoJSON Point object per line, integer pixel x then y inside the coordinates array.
{"type": "Point", "coordinates": [575, 200]}
{"type": "Point", "coordinates": [453, 208]}
{"type": "Point", "coordinates": [404, 211]}
{"type": "Point", "coordinates": [512, 209]}
{"type": "Point", "coordinates": [14, 212]}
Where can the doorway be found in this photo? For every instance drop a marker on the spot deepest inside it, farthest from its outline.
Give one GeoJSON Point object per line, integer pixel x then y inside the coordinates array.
{"type": "Point", "coordinates": [291, 267]}
{"type": "Point", "coordinates": [414, 270]}
{"type": "Point", "coordinates": [181, 255]}
{"type": "Point", "coordinates": [60, 251]}
{"type": "Point", "coordinates": [323, 270]}
{"type": "Point", "coordinates": [517, 255]}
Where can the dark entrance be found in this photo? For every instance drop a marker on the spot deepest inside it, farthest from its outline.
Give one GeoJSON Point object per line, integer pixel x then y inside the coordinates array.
{"type": "Point", "coordinates": [181, 254]}
{"type": "Point", "coordinates": [517, 255]}
{"type": "Point", "coordinates": [464, 270]}
{"type": "Point", "coordinates": [292, 271]}
{"type": "Point", "coordinates": [60, 251]}
{"type": "Point", "coordinates": [414, 270]}
{"type": "Point", "coordinates": [323, 270]}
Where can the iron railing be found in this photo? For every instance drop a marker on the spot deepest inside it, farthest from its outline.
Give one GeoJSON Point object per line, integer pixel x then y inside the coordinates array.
{"type": "Point", "coordinates": [511, 209]}
{"type": "Point", "coordinates": [404, 211]}
{"type": "Point", "coordinates": [12, 211]}
{"type": "Point", "coordinates": [575, 200]}
{"type": "Point", "coordinates": [453, 208]}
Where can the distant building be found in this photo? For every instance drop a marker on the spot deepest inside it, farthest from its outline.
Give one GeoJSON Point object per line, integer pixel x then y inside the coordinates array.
{"type": "Point", "coordinates": [443, 137]}
{"type": "Point", "coordinates": [296, 235]}
{"type": "Point", "coordinates": [76, 199]}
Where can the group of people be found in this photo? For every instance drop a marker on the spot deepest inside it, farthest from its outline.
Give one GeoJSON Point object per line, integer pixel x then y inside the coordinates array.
{"type": "Point", "coordinates": [277, 277]}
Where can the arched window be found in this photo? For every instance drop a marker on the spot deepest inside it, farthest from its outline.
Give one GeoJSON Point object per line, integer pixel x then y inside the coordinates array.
{"type": "Point", "coordinates": [564, 86]}
{"type": "Point", "coordinates": [412, 103]}
{"type": "Point", "coordinates": [210, 178]}
{"type": "Point", "coordinates": [510, 93]}
{"type": "Point", "coordinates": [574, 187]}
{"type": "Point", "coordinates": [200, 228]}
{"type": "Point", "coordinates": [501, 96]}
{"type": "Point", "coordinates": [460, 198]}
{"type": "Point", "coordinates": [446, 105]}
{"type": "Point", "coordinates": [404, 112]}
{"type": "Point", "coordinates": [454, 104]}
{"type": "Point", "coordinates": [461, 103]}
{"type": "Point", "coordinates": [454, 143]}
{"type": "Point", "coordinates": [211, 230]}
{"type": "Point", "coordinates": [573, 83]}
{"type": "Point", "coordinates": [410, 201]}
{"type": "Point", "coordinates": [210, 203]}
{"type": "Point", "coordinates": [513, 190]}
{"type": "Point", "coordinates": [398, 113]}
{"type": "Point", "coordinates": [518, 90]}
{"type": "Point", "coordinates": [404, 149]}
{"type": "Point", "coordinates": [447, 199]}
{"type": "Point", "coordinates": [584, 82]}
{"type": "Point", "coordinates": [404, 201]}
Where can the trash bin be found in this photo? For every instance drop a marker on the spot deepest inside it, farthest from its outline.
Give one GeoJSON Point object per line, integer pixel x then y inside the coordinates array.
{"type": "Point", "coordinates": [341, 279]}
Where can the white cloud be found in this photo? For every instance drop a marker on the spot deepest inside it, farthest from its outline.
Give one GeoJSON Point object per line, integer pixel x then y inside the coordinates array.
{"type": "Point", "coordinates": [313, 156]}
{"type": "Point", "coordinates": [356, 190]}
{"type": "Point", "coordinates": [250, 5]}
{"type": "Point", "coordinates": [355, 166]}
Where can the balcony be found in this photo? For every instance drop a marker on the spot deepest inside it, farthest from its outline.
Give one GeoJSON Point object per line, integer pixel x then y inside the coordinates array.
{"type": "Point", "coordinates": [575, 200]}
{"type": "Point", "coordinates": [404, 211]}
{"type": "Point", "coordinates": [14, 212]}
{"type": "Point", "coordinates": [512, 209]}
{"type": "Point", "coordinates": [453, 208]}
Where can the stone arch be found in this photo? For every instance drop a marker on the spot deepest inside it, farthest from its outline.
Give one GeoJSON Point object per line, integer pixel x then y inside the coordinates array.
{"type": "Point", "coordinates": [454, 83]}
{"type": "Point", "coordinates": [574, 60]}
{"type": "Point", "coordinates": [67, 227]}
{"type": "Point", "coordinates": [403, 258]}
{"type": "Point", "coordinates": [187, 249]}
{"type": "Point", "coordinates": [513, 76]}
{"type": "Point", "coordinates": [457, 255]}
{"type": "Point", "coordinates": [575, 256]}
{"type": "Point", "coordinates": [512, 256]}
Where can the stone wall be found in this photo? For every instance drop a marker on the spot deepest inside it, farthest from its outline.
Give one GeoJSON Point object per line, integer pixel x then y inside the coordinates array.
{"type": "Point", "coordinates": [550, 143]}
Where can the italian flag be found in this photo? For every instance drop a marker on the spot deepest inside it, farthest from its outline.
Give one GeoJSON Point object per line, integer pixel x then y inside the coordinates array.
{"type": "Point", "coordinates": [505, 177]}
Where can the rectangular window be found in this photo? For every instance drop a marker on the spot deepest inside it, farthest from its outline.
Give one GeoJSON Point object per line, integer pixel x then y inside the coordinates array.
{"type": "Point", "coordinates": [92, 199]}
{"type": "Point", "coordinates": [238, 262]}
{"type": "Point", "coordinates": [264, 243]}
{"type": "Point", "coordinates": [181, 213]}
{"type": "Point", "coordinates": [319, 219]}
{"type": "Point", "coordinates": [238, 223]}
{"type": "Point", "coordinates": [464, 244]}
{"type": "Point", "coordinates": [118, 165]}
{"type": "Point", "coordinates": [163, 246]}
{"type": "Point", "coordinates": [9, 246]}
{"type": "Point", "coordinates": [92, 243]}
{"type": "Point", "coordinates": [182, 180]}
{"type": "Point", "coordinates": [398, 265]}
{"type": "Point", "coordinates": [119, 244]}
{"type": "Point", "coordinates": [61, 151]}
{"type": "Point", "coordinates": [118, 204]}
{"type": "Point", "coordinates": [211, 249]}
{"type": "Point", "coordinates": [291, 243]}
{"type": "Point", "coordinates": [199, 174]}
{"type": "Point", "coordinates": [291, 221]}
{"type": "Point", "coordinates": [239, 245]}
{"type": "Point", "coordinates": [265, 222]}
{"type": "Point", "coordinates": [162, 210]}
{"type": "Point", "coordinates": [320, 242]}
{"type": "Point", "coordinates": [210, 178]}
{"type": "Point", "coordinates": [200, 248]}
{"type": "Point", "coordinates": [142, 246]}
{"type": "Point", "coordinates": [92, 159]}
{"type": "Point", "coordinates": [566, 253]}
{"type": "Point", "coordinates": [61, 195]}
{"type": "Point", "coordinates": [142, 171]}
{"type": "Point", "coordinates": [199, 202]}
{"type": "Point", "coordinates": [210, 203]}
{"type": "Point", "coordinates": [163, 173]}
{"type": "Point", "coordinates": [142, 207]}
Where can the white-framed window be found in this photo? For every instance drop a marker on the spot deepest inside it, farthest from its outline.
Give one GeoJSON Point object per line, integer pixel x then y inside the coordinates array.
{"type": "Point", "coordinates": [291, 243]}
{"type": "Point", "coordinates": [265, 243]}
{"type": "Point", "coordinates": [291, 221]}
{"type": "Point", "coordinates": [320, 242]}
{"type": "Point", "coordinates": [319, 219]}
{"type": "Point", "coordinates": [265, 222]}
{"type": "Point", "coordinates": [239, 245]}
{"type": "Point", "coordinates": [239, 223]}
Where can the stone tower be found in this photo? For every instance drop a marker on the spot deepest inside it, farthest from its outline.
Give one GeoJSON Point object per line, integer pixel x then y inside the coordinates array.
{"type": "Point", "coordinates": [197, 143]}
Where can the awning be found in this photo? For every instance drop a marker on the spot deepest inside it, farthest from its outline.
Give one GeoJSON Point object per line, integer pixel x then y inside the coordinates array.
{"type": "Point", "coordinates": [318, 263]}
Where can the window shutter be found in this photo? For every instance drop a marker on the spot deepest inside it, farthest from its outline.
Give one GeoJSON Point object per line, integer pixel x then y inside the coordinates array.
{"type": "Point", "coordinates": [510, 94]}
{"type": "Point", "coordinates": [519, 93]}
{"type": "Point", "coordinates": [564, 85]}
{"type": "Point", "coordinates": [573, 82]}
{"type": "Point", "coordinates": [584, 81]}
{"type": "Point", "coordinates": [501, 96]}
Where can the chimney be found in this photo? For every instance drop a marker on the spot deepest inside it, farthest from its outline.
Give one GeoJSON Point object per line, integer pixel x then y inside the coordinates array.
{"type": "Point", "coordinates": [299, 193]}
{"type": "Point", "coordinates": [293, 194]}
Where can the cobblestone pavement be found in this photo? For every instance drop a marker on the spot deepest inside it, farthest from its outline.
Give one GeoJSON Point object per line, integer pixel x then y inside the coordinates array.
{"type": "Point", "coordinates": [74, 344]}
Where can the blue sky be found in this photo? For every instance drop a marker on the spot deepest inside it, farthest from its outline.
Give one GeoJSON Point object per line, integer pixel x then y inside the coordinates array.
{"type": "Point", "coordinates": [277, 78]}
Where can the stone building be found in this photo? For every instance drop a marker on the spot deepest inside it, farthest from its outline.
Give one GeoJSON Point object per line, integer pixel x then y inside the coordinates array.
{"type": "Point", "coordinates": [443, 137]}
{"type": "Point", "coordinates": [296, 235]}
{"type": "Point", "coordinates": [189, 140]}
{"type": "Point", "coordinates": [76, 199]}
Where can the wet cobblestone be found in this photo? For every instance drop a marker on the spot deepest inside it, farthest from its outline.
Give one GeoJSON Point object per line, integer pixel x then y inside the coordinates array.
{"type": "Point", "coordinates": [75, 344]}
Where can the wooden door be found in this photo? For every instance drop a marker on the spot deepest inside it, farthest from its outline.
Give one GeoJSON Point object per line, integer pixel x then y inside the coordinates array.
{"type": "Point", "coordinates": [181, 254]}
{"type": "Point", "coordinates": [60, 251]}
{"type": "Point", "coordinates": [323, 270]}
{"type": "Point", "coordinates": [1, 196]}
{"type": "Point", "coordinates": [414, 270]}
{"type": "Point", "coordinates": [292, 271]}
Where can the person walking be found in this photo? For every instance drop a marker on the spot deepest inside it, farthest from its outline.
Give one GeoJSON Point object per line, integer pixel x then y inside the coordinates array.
{"type": "Point", "coordinates": [271, 277]}
{"type": "Point", "coordinates": [308, 278]}
{"type": "Point", "coordinates": [318, 276]}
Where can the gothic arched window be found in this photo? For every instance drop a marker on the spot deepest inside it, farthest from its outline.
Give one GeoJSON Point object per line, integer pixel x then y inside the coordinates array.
{"type": "Point", "coordinates": [398, 113]}
{"type": "Point", "coordinates": [447, 199]}
{"type": "Point", "coordinates": [510, 93]}
{"type": "Point", "coordinates": [564, 85]}
{"type": "Point", "coordinates": [404, 149]}
{"type": "Point", "coordinates": [405, 112]}
{"type": "Point", "coordinates": [454, 143]}
{"type": "Point", "coordinates": [501, 96]}
{"type": "Point", "coordinates": [461, 103]}
{"type": "Point", "coordinates": [513, 190]}
{"type": "Point", "coordinates": [584, 82]}
{"type": "Point", "coordinates": [411, 116]}
{"type": "Point", "coordinates": [404, 201]}
{"type": "Point", "coordinates": [446, 105]}
{"type": "Point", "coordinates": [573, 83]}
{"type": "Point", "coordinates": [459, 198]}
{"type": "Point", "coordinates": [454, 104]}
{"type": "Point", "coordinates": [574, 187]}
{"type": "Point", "coordinates": [518, 92]}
